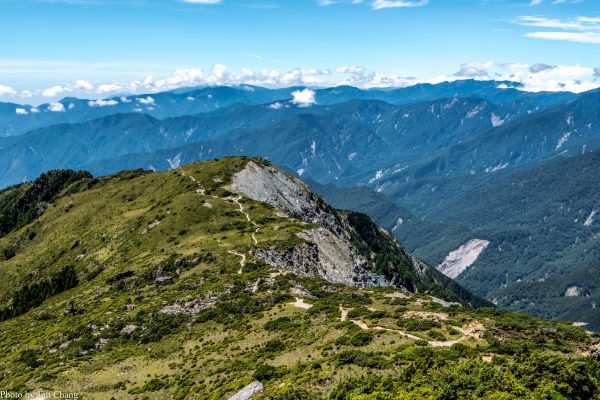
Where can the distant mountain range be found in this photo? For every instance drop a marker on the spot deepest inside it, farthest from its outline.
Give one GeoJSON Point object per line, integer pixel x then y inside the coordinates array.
{"type": "Point", "coordinates": [496, 182]}
{"type": "Point", "coordinates": [17, 119]}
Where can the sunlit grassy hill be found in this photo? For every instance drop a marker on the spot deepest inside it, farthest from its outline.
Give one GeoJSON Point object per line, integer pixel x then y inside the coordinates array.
{"type": "Point", "coordinates": [180, 285]}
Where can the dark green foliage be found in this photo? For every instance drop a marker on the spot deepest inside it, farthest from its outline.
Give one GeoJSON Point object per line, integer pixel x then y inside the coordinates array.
{"type": "Point", "coordinates": [389, 260]}
{"type": "Point", "coordinates": [266, 372]}
{"type": "Point", "coordinates": [436, 335]}
{"type": "Point", "coordinates": [280, 324]}
{"type": "Point", "coordinates": [120, 276]}
{"type": "Point", "coordinates": [392, 261]}
{"type": "Point", "coordinates": [30, 358]}
{"type": "Point", "coordinates": [287, 393]}
{"type": "Point", "coordinates": [32, 295]}
{"type": "Point", "coordinates": [358, 312]}
{"type": "Point", "coordinates": [274, 346]}
{"type": "Point", "coordinates": [157, 326]}
{"type": "Point", "coordinates": [234, 310]}
{"type": "Point", "coordinates": [22, 204]}
{"type": "Point", "coordinates": [436, 375]}
{"type": "Point", "coordinates": [416, 324]}
{"type": "Point", "coordinates": [362, 359]}
{"type": "Point", "coordinates": [356, 338]}
{"type": "Point", "coordinates": [154, 385]}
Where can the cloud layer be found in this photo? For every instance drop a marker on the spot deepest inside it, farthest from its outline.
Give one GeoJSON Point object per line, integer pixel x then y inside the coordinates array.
{"type": "Point", "coordinates": [530, 77]}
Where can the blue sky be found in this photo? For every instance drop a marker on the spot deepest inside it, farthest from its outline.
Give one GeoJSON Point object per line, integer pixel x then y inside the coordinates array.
{"type": "Point", "coordinates": [148, 45]}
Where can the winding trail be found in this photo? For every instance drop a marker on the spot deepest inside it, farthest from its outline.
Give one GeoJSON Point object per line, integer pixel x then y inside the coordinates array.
{"type": "Point", "coordinates": [242, 261]}
{"type": "Point", "coordinates": [236, 200]}
{"type": "Point", "coordinates": [364, 326]}
{"type": "Point", "coordinates": [201, 191]}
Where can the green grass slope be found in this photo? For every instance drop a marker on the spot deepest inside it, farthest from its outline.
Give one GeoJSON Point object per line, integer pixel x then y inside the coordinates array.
{"type": "Point", "coordinates": [143, 286]}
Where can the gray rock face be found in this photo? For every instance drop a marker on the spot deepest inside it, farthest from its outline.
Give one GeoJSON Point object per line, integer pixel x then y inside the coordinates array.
{"type": "Point", "coordinates": [271, 186]}
{"type": "Point", "coordinates": [327, 251]}
{"type": "Point", "coordinates": [343, 248]}
{"type": "Point", "coordinates": [248, 392]}
{"type": "Point", "coordinates": [326, 255]}
{"type": "Point", "coordinates": [192, 307]}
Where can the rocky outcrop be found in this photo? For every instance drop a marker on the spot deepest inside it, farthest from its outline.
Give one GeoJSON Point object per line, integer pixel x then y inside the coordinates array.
{"type": "Point", "coordinates": [326, 251]}
{"type": "Point", "coordinates": [341, 247]}
{"type": "Point", "coordinates": [326, 255]}
{"type": "Point", "coordinates": [272, 186]}
{"type": "Point", "coordinates": [248, 392]}
{"type": "Point", "coordinates": [191, 307]}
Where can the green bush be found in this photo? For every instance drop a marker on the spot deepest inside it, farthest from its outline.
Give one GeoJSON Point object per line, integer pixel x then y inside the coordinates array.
{"type": "Point", "coordinates": [358, 338]}
{"type": "Point", "coordinates": [153, 385]}
{"type": "Point", "coordinates": [361, 359]}
{"type": "Point", "coordinates": [32, 295]}
{"type": "Point", "coordinates": [279, 324]}
{"type": "Point", "coordinates": [265, 372]}
{"type": "Point", "coordinates": [287, 393]}
{"type": "Point", "coordinates": [30, 358]}
{"type": "Point", "coordinates": [417, 325]}
{"type": "Point", "coordinates": [436, 335]}
{"type": "Point", "coordinates": [274, 346]}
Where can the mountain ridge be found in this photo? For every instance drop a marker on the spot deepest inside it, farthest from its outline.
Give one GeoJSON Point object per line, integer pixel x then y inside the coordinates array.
{"type": "Point", "coordinates": [123, 272]}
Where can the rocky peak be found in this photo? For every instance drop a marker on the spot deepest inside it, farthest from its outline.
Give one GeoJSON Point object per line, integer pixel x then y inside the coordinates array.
{"type": "Point", "coordinates": [340, 247]}
{"type": "Point", "coordinates": [291, 196]}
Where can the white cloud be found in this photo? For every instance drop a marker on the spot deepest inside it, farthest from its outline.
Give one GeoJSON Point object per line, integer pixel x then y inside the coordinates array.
{"type": "Point", "coordinates": [536, 77]}
{"type": "Point", "coordinates": [182, 77]}
{"type": "Point", "coordinates": [109, 87]}
{"type": "Point", "coordinates": [474, 70]}
{"type": "Point", "coordinates": [102, 103]}
{"type": "Point", "coordinates": [146, 100]}
{"type": "Point", "coordinates": [79, 86]}
{"type": "Point", "coordinates": [539, 67]}
{"type": "Point", "coordinates": [21, 111]}
{"type": "Point", "coordinates": [116, 87]}
{"type": "Point", "coordinates": [202, 1]}
{"type": "Point", "coordinates": [378, 4]}
{"type": "Point", "coordinates": [56, 107]}
{"type": "Point", "coordinates": [579, 30]}
{"type": "Point", "coordinates": [255, 56]}
{"type": "Point", "coordinates": [580, 23]}
{"type": "Point", "coordinates": [7, 91]}
{"type": "Point", "coordinates": [34, 110]}
{"type": "Point", "coordinates": [53, 91]}
{"type": "Point", "coordinates": [84, 85]}
{"type": "Point", "coordinates": [277, 106]}
{"type": "Point", "coordinates": [303, 98]}
{"type": "Point", "coordinates": [381, 4]}
{"type": "Point", "coordinates": [538, 2]}
{"type": "Point", "coordinates": [350, 70]}
{"type": "Point", "coordinates": [578, 37]}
